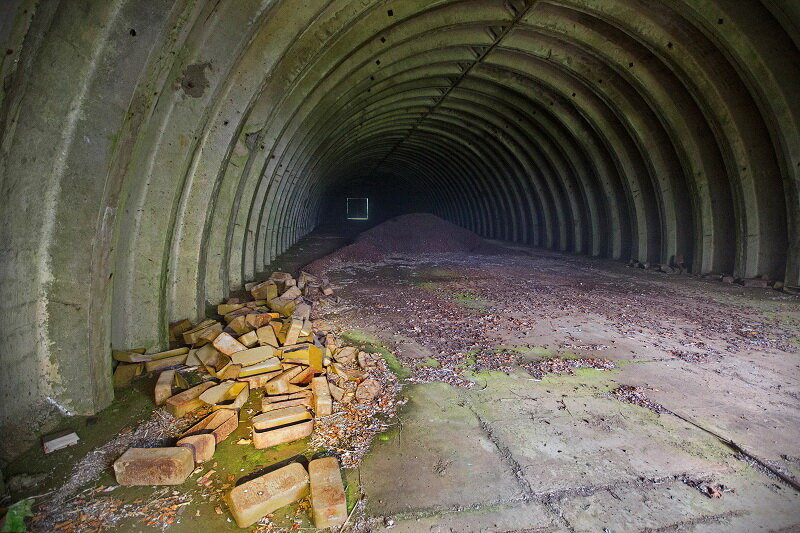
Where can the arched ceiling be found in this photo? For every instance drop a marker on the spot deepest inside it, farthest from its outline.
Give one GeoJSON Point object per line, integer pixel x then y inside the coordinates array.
{"type": "Point", "coordinates": [158, 155]}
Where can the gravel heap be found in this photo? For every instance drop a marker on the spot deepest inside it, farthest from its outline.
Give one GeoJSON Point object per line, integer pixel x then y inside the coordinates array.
{"type": "Point", "coordinates": [415, 233]}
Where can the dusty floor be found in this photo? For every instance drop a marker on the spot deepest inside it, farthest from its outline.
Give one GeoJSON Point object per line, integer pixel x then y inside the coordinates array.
{"type": "Point", "coordinates": [506, 451]}
{"type": "Point", "coordinates": [491, 440]}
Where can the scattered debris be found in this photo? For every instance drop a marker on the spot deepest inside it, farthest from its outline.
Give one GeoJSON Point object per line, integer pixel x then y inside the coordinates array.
{"type": "Point", "coordinates": [636, 396]}
{"type": "Point", "coordinates": [557, 365]}
{"type": "Point", "coordinates": [60, 440]}
{"type": "Point", "coordinates": [708, 488]}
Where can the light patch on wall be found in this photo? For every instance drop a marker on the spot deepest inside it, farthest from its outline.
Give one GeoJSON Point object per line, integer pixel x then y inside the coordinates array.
{"type": "Point", "coordinates": [357, 208]}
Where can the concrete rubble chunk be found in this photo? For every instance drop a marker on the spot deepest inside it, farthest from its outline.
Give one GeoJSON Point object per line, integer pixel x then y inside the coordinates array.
{"type": "Point", "coordinates": [164, 386]}
{"type": "Point", "coordinates": [367, 390]}
{"type": "Point", "coordinates": [291, 293]}
{"type": "Point", "coordinates": [258, 381]}
{"type": "Point", "coordinates": [202, 446]}
{"type": "Point", "coordinates": [160, 364]}
{"type": "Point", "coordinates": [280, 383]}
{"type": "Point", "coordinates": [219, 423]}
{"type": "Point", "coordinates": [125, 373]}
{"type": "Point", "coordinates": [283, 306]}
{"type": "Point", "coordinates": [177, 328]}
{"type": "Point", "coordinates": [280, 426]}
{"type": "Point", "coordinates": [249, 339]}
{"type": "Point", "coordinates": [295, 326]}
{"type": "Point", "coordinates": [188, 400]}
{"type": "Point", "coordinates": [224, 309]}
{"type": "Point", "coordinates": [203, 329]}
{"type": "Point", "coordinates": [346, 354]}
{"type": "Point", "coordinates": [280, 417]}
{"type": "Point", "coordinates": [266, 336]}
{"type": "Point", "coordinates": [306, 352]}
{"type": "Point", "coordinates": [328, 500]}
{"type": "Point", "coordinates": [154, 466]}
{"type": "Point", "coordinates": [226, 344]}
{"type": "Point", "coordinates": [239, 325]}
{"type": "Point", "coordinates": [323, 404]}
{"type": "Point", "coordinates": [266, 290]}
{"type": "Point", "coordinates": [226, 395]}
{"type": "Point", "coordinates": [337, 393]}
{"type": "Point", "coordinates": [267, 365]}
{"type": "Point", "coordinates": [250, 501]}
{"type": "Point", "coordinates": [60, 440]}
{"type": "Point", "coordinates": [253, 355]}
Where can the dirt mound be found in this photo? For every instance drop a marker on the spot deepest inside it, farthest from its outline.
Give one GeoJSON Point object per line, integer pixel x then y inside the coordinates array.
{"type": "Point", "coordinates": [416, 233]}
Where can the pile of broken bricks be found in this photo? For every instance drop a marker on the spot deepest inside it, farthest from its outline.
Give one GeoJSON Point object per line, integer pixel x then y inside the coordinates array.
{"type": "Point", "coordinates": [265, 343]}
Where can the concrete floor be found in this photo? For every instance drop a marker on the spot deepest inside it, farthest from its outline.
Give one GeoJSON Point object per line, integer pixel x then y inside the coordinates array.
{"type": "Point", "coordinates": [509, 452]}
{"type": "Point", "coordinates": [512, 453]}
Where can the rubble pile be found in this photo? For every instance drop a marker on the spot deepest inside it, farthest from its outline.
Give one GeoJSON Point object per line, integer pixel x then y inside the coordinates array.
{"type": "Point", "coordinates": [307, 382]}
{"type": "Point", "coordinates": [413, 234]}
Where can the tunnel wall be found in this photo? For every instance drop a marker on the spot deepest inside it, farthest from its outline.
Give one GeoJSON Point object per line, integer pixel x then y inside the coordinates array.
{"type": "Point", "coordinates": [156, 155]}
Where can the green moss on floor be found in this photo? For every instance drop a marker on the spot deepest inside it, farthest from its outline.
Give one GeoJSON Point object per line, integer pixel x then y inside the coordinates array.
{"type": "Point", "coordinates": [367, 343]}
{"type": "Point", "coordinates": [129, 408]}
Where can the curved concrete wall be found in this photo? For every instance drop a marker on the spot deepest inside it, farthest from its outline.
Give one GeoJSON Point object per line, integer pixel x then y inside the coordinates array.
{"type": "Point", "coordinates": [156, 155]}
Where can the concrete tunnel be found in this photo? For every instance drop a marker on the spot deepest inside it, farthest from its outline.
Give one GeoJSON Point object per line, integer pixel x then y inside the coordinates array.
{"type": "Point", "coordinates": [158, 155]}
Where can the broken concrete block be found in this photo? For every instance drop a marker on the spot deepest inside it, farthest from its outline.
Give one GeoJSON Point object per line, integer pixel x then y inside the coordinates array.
{"type": "Point", "coordinates": [239, 325]}
{"type": "Point", "coordinates": [250, 501]}
{"type": "Point", "coordinates": [336, 392]}
{"type": "Point", "coordinates": [271, 403]}
{"type": "Point", "coordinates": [253, 355]}
{"type": "Point", "coordinates": [131, 356]}
{"type": "Point", "coordinates": [291, 293]}
{"type": "Point", "coordinates": [233, 315]}
{"type": "Point", "coordinates": [268, 365]}
{"type": "Point", "coordinates": [227, 344]}
{"type": "Point", "coordinates": [281, 426]}
{"type": "Point", "coordinates": [203, 328]}
{"type": "Point", "coordinates": [208, 355]}
{"type": "Point", "coordinates": [283, 306]}
{"type": "Point", "coordinates": [154, 466]}
{"type": "Point", "coordinates": [202, 446]}
{"type": "Point", "coordinates": [219, 423]}
{"type": "Point", "coordinates": [306, 352]}
{"type": "Point", "coordinates": [164, 386]}
{"type": "Point", "coordinates": [192, 359]}
{"type": "Point", "coordinates": [188, 400]}
{"type": "Point", "coordinates": [224, 309]}
{"type": "Point", "coordinates": [257, 320]}
{"type": "Point", "coordinates": [280, 383]}
{"type": "Point", "coordinates": [229, 371]}
{"type": "Point", "coordinates": [293, 333]}
{"type": "Point", "coordinates": [304, 377]}
{"type": "Point", "coordinates": [367, 390]}
{"type": "Point", "coordinates": [176, 329]}
{"type": "Point", "coordinates": [346, 354]}
{"type": "Point", "coordinates": [160, 364]}
{"type": "Point", "coordinates": [227, 395]}
{"type": "Point", "coordinates": [266, 336]}
{"type": "Point", "coordinates": [302, 311]}
{"type": "Point", "coordinates": [328, 500]}
{"type": "Point", "coordinates": [323, 404]}
{"type": "Point", "coordinates": [134, 357]}
{"type": "Point", "coordinates": [266, 290]}
{"type": "Point", "coordinates": [60, 440]}
{"type": "Point", "coordinates": [257, 381]}
{"type": "Point", "coordinates": [125, 372]}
